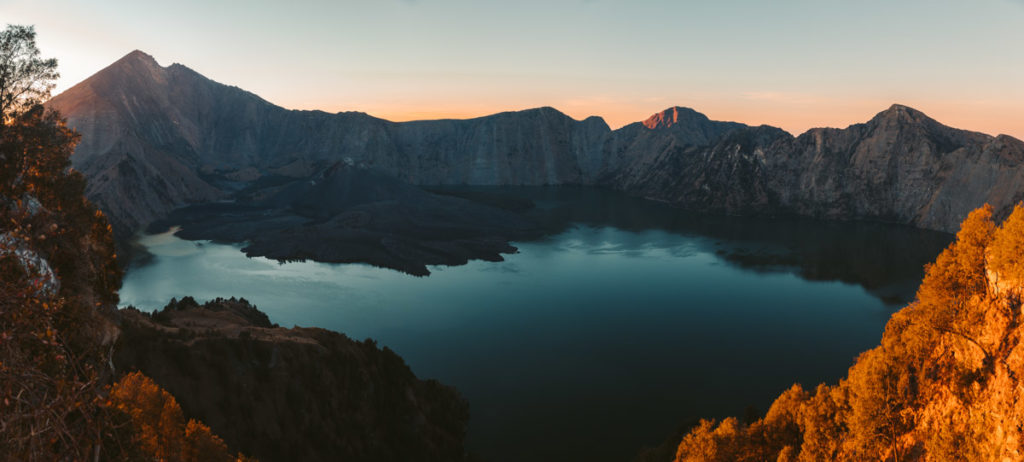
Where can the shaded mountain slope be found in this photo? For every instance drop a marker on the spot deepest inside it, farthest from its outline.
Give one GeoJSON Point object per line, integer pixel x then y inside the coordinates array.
{"type": "Point", "coordinates": [724, 174]}
{"type": "Point", "coordinates": [306, 393]}
{"type": "Point", "coordinates": [158, 137]}
{"type": "Point", "coordinates": [901, 167]}
{"type": "Point", "coordinates": [676, 128]}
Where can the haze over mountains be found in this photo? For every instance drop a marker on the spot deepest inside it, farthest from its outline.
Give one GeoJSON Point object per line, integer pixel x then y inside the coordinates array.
{"type": "Point", "coordinates": [157, 138]}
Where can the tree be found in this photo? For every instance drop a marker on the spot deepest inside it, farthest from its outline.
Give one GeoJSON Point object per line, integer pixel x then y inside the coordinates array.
{"type": "Point", "coordinates": [879, 397]}
{"type": "Point", "coordinates": [1006, 254]}
{"type": "Point", "coordinates": [950, 294]}
{"type": "Point", "coordinates": [973, 239]}
{"type": "Point", "coordinates": [930, 391]}
{"type": "Point", "coordinates": [58, 273]}
{"type": "Point", "coordinates": [57, 269]}
{"type": "Point", "coordinates": [25, 79]}
{"type": "Point", "coordinates": [823, 422]}
{"type": "Point", "coordinates": [159, 429]}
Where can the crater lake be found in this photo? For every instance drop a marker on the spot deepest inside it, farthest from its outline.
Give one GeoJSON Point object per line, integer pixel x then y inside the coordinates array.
{"type": "Point", "coordinates": [627, 319]}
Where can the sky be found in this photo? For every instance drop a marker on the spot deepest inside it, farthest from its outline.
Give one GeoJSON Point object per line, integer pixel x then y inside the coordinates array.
{"type": "Point", "coordinates": [795, 64]}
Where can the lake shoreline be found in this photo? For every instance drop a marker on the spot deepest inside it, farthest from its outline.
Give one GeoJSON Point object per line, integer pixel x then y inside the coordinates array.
{"type": "Point", "coordinates": [534, 341]}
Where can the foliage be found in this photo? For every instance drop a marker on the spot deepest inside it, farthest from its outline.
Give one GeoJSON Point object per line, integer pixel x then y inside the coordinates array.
{"type": "Point", "coordinates": [57, 265]}
{"type": "Point", "coordinates": [25, 78]}
{"type": "Point", "coordinates": [941, 385]}
{"type": "Point", "coordinates": [58, 274]}
{"type": "Point", "coordinates": [1007, 253]}
{"type": "Point", "coordinates": [158, 426]}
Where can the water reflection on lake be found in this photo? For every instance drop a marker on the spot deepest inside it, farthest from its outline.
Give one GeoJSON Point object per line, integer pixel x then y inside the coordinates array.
{"type": "Point", "coordinates": [585, 345]}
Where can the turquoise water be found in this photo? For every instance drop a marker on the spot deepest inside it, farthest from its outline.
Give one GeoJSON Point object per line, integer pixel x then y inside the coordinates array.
{"type": "Point", "coordinates": [629, 321]}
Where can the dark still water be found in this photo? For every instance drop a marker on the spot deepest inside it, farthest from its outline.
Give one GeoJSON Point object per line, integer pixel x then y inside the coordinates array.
{"type": "Point", "coordinates": [629, 321]}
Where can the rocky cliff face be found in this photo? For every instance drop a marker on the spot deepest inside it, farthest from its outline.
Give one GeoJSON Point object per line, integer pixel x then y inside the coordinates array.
{"type": "Point", "coordinates": [533, 147]}
{"type": "Point", "coordinates": [900, 167]}
{"type": "Point", "coordinates": [135, 148]}
{"type": "Point", "coordinates": [291, 394]}
{"type": "Point", "coordinates": [722, 171]}
{"type": "Point", "coordinates": [676, 127]}
{"type": "Point", "coordinates": [156, 138]}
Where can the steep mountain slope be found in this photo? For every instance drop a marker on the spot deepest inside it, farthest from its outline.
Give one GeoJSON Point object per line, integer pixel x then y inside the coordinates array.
{"type": "Point", "coordinates": [157, 138]}
{"type": "Point", "coordinates": [900, 167]}
{"type": "Point", "coordinates": [284, 393]}
{"type": "Point", "coordinates": [636, 145]}
{"type": "Point", "coordinates": [532, 147]}
{"type": "Point", "coordinates": [135, 151]}
{"type": "Point", "coordinates": [160, 137]}
{"type": "Point", "coordinates": [723, 174]}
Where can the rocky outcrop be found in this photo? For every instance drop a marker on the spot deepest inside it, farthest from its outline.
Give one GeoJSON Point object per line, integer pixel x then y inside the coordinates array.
{"type": "Point", "coordinates": [676, 128]}
{"type": "Point", "coordinates": [291, 394]}
{"type": "Point", "coordinates": [35, 267]}
{"type": "Point", "coordinates": [901, 167]}
{"type": "Point", "coordinates": [723, 174]}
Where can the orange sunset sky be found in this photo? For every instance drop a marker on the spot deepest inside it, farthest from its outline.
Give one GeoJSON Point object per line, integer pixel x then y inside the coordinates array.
{"type": "Point", "coordinates": [793, 64]}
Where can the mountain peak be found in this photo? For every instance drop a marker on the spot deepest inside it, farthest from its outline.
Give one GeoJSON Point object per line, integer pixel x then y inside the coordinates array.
{"type": "Point", "coordinates": [120, 77]}
{"type": "Point", "coordinates": [134, 66]}
{"type": "Point", "coordinates": [673, 116]}
{"type": "Point", "coordinates": [898, 113]}
{"type": "Point", "coordinates": [136, 57]}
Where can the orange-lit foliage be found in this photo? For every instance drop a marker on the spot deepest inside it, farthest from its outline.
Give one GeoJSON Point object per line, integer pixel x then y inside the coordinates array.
{"type": "Point", "coordinates": [942, 386]}
{"type": "Point", "coordinates": [1007, 252]}
{"type": "Point", "coordinates": [158, 426]}
{"type": "Point", "coordinates": [958, 276]}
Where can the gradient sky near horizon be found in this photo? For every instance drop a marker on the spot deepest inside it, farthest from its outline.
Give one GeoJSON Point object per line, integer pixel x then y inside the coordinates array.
{"type": "Point", "coordinates": [795, 64]}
